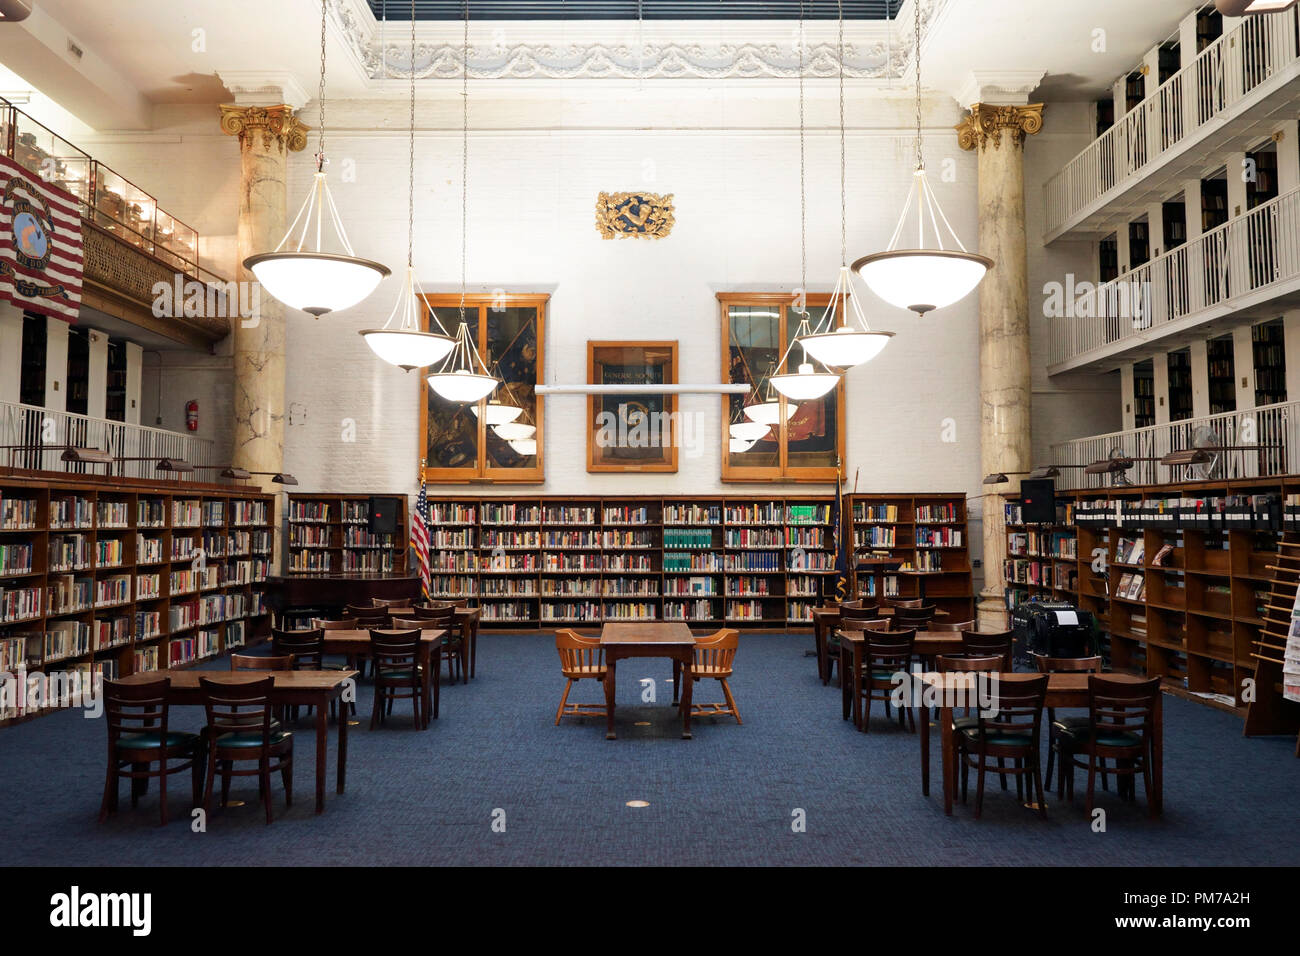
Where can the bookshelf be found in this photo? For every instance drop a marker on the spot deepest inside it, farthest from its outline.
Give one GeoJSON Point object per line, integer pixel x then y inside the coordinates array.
{"type": "Point", "coordinates": [1214, 203]}
{"type": "Point", "coordinates": [1264, 185]}
{"type": "Point", "coordinates": [1139, 244]}
{"type": "Point", "coordinates": [1268, 350]}
{"type": "Point", "coordinates": [1180, 384]}
{"type": "Point", "coordinates": [1177, 575]}
{"type": "Point", "coordinates": [1134, 90]}
{"type": "Point", "coordinates": [1105, 114]}
{"type": "Point", "coordinates": [1173, 216]}
{"type": "Point", "coordinates": [328, 533]}
{"type": "Point", "coordinates": [1222, 380]}
{"type": "Point", "coordinates": [753, 562]}
{"type": "Point", "coordinates": [1144, 394]}
{"type": "Point", "coordinates": [121, 576]}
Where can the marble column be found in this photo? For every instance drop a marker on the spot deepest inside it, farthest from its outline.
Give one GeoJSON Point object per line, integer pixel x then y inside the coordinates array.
{"type": "Point", "coordinates": [267, 134]}
{"type": "Point", "coordinates": [997, 134]}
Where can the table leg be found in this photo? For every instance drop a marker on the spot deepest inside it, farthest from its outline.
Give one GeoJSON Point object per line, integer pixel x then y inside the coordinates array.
{"type": "Point", "coordinates": [924, 714]}
{"type": "Point", "coordinates": [677, 677]}
{"type": "Point", "coordinates": [846, 686]}
{"type": "Point", "coordinates": [859, 720]}
{"type": "Point", "coordinates": [819, 642]}
{"type": "Point", "coordinates": [464, 653]}
{"type": "Point", "coordinates": [322, 714]}
{"type": "Point", "coordinates": [686, 699]}
{"type": "Point", "coordinates": [1157, 756]}
{"type": "Point", "coordinates": [945, 736]}
{"type": "Point", "coordinates": [609, 699]}
{"type": "Point", "coordinates": [343, 747]}
{"type": "Point", "coordinates": [426, 682]}
{"type": "Point", "coordinates": [471, 632]}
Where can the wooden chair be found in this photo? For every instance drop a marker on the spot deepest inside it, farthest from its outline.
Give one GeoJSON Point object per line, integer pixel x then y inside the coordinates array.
{"type": "Point", "coordinates": [346, 624]}
{"type": "Point", "coordinates": [391, 602]}
{"type": "Point", "coordinates": [239, 730]}
{"type": "Point", "coordinates": [261, 662]}
{"type": "Point", "coordinates": [833, 639]}
{"type": "Point", "coordinates": [434, 608]}
{"type": "Point", "coordinates": [307, 648]}
{"type": "Point", "coordinates": [987, 643]}
{"type": "Point", "coordinates": [138, 737]}
{"type": "Point", "coordinates": [442, 616]}
{"type": "Point", "coordinates": [948, 663]}
{"type": "Point", "coordinates": [581, 658]}
{"type": "Point", "coordinates": [915, 617]}
{"type": "Point", "coordinates": [953, 627]}
{"type": "Point", "coordinates": [887, 653]}
{"type": "Point", "coordinates": [901, 602]}
{"type": "Point", "coordinates": [715, 656]}
{"type": "Point", "coordinates": [1120, 716]}
{"type": "Point", "coordinates": [397, 673]}
{"type": "Point", "coordinates": [1066, 665]}
{"type": "Point", "coordinates": [1012, 733]}
{"type": "Point", "coordinates": [365, 615]}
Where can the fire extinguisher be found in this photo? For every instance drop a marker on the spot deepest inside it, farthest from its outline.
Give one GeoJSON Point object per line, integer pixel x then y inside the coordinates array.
{"type": "Point", "coordinates": [192, 415]}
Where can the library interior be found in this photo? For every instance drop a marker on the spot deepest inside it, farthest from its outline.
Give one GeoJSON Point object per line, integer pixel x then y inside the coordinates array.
{"type": "Point", "coordinates": [980, 547]}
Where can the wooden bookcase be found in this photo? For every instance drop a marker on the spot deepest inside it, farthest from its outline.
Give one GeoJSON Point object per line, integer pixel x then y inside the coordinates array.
{"type": "Point", "coordinates": [120, 576]}
{"type": "Point", "coordinates": [1196, 618]}
{"type": "Point", "coordinates": [760, 562]}
{"type": "Point", "coordinates": [327, 533]}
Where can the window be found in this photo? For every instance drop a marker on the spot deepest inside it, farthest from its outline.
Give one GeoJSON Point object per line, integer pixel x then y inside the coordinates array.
{"type": "Point", "coordinates": [807, 443]}
{"type": "Point", "coordinates": [457, 444]}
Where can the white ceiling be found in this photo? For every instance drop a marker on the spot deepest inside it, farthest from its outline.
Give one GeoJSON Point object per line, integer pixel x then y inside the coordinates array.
{"type": "Point", "coordinates": [138, 53]}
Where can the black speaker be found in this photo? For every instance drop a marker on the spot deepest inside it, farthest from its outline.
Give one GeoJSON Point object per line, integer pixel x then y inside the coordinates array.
{"type": "Point", "coordinates": [1038, 501]}
{"type": "Point", "coordinates": [383, 515]}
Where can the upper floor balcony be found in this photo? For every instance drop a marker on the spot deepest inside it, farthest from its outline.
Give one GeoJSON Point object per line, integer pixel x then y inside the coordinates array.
{"type": "Point", "coordinates": [1231, 270]}
{"type": "Point", "coordinates": [130, 243]}
{"type": "Point", "coordinates": [1223, 101]}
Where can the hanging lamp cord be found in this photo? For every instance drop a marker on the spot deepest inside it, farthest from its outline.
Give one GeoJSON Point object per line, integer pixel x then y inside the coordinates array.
{"type": "Point", "coordinates": [464, 158]}
{"type": "Point", "coordinates": [916, 63]}
{"type": "Point", "coordinates": [803, 177]}
{"type": "Point", "coordinates": [320, 96]}
{"type": "Point", "coordinates": [844, 208]}
{"type": "Point", "coordinates": [410, 179]}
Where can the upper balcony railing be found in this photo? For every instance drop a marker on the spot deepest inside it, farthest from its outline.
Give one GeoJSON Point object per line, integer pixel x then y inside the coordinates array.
{"type": "Point", "coordinates": [107, 199]}
{"type": "Point", "coordinates": [1226, 72]}
{"type": "Point", "coordinates": [1229, 267]}
{"type": "Point", "coordinates": [1274, 428]}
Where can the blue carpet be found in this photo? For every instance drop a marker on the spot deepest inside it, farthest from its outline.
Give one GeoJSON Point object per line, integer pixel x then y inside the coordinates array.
{"type": "Point", "coordinates": [725, 797]}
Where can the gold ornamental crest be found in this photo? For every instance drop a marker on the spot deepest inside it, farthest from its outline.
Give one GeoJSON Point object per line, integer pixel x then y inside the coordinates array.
{"type": "Point", "coordinates": [639, 215]}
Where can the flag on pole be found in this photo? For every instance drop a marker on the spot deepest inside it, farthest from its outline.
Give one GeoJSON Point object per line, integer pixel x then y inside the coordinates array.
{"type": "Point", "coordinates": [420, 541]}
{"type": "Point", "coordinates": [40, 244]}
{"type": "Point", "coordinates": [841, 545]}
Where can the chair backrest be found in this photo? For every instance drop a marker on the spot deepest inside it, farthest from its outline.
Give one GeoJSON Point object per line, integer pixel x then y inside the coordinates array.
{"type": "Point", "coordinates": [877, 624]}
{"type": "Point", "coordinates": [952, 627]}
{"type": "Point", "coordinates": [135, 708]}
{"type": "Point", "coordinates": [347, 624]}
{"type": "Point", "coordinates": [238, 708]}
{"type": "Point", "coordinates": [948, 663]}
{"type": "Point", "coordinates": [307, 647]}
{"type": "Point", "coordinates": [901, 602]}
{"type": "Point", "coordinates": [578, 653]}
{"type": "Point", "coordinates": [918, 615]}
{"type": "Point", "coordinates": [890, 650]}
{"type": "Point", "coordinates": [416, 623]}
{"type": "Point", "coordinates": [441, 616]}
{"type": "Point", "coordinates": [391, 602]}
{"type": "Point", "coordinates": [394, 648]}
{"type": "Point", "coordinates": [858, 611]}
{"type": "Point", "coordinates": [261, 662]}
{"type": "Point", "coordinates": [1067, 665]}
{"type": "Point", "coordinates": [437, 607]}
{"type": "Point", "coordinates": [363, 614]}
{"type": "Point", "coordinates": [717, 651]}
{"type": "Point", "coordinates": [1019, 707]}
{"type": "Point", "coordinates": [1119, 706]}
{"type": "Point", "coordinates": [987, 643]}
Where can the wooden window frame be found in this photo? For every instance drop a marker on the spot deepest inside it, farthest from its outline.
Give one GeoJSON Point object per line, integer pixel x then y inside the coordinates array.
{"type": "Point", "coordinates": [483, 472]}
{"type": "Point", "coordinates": [783, 471]}
{"type": "Point", "coordinates": [670, 407]}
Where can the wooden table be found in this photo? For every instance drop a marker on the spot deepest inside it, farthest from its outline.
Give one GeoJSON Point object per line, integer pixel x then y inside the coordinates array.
{"type": "Point", "coordinates": [649, 639]}
{"type": "Point", "coordinates": [928, 645]}
{"type": "Point", "coordinates": [357, 644]}
{"type": "Point", "coordinates": [291, 688]}
{"type": "Point", "coordinates": [1063, 690]}
{"type": "Point", "coordinates": [826, 619]}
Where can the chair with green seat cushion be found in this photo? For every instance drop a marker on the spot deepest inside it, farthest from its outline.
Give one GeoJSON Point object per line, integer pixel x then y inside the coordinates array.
{"type": "Point", "coordinates": [138, 737]}
{"type": "Point", "coordinates": [886, 654]}
{"type": "Point", "coordinates": [953, 664]}
{"type": "Point", "coordinates": [443, 616]}
{"type": "Point", "coordinates": [398, 675]}
{"type": "Point", "coordinates": [1012, 733]}
{"type": "Point", "coordinates": [238, 731]}
{"type": "Point", "coordinates": [307, 647]}
{"type": "Point", "coordinates": [1121, 714]}
{"type": "Point", "coordinates": [1055, 724]}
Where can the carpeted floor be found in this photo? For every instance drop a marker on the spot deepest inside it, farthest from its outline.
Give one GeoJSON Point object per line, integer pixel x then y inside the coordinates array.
{"type": "Point", "coordinates": [728, 796]}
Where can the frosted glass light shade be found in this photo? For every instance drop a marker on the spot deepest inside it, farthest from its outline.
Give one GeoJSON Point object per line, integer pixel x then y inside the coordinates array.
{"type": "Point", "coordinates": [498, 414]}
{"type": "Point", "coordinates": [768, 413]}
{"type": "Point", "coordinates": [846, 346]}
{"type": "Point", "coordinates": [804, 384]}
{"type": "Point", "coordinates": [513, 431]}
{"type": "Point", "coordinates": [739, 446]}
{"type": "Point", "coordinates": [524, 446]}
{"type": "Point", "coordinates": [462, 385]}
{"type": "Point", "coordinates": [922, 279]}
{"type": "Point", "coordinates": [316, 282]}
{"type": "Point", "coordinates": [749, 431]}
{"type": "Point", "coordinates": [408, 348]}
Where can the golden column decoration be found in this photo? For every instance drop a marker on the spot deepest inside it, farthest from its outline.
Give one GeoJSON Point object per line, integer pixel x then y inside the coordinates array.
{"type": "Point", "coordinates": [997, 134]}
{"type": "Point", "coordinates": [267, 134]}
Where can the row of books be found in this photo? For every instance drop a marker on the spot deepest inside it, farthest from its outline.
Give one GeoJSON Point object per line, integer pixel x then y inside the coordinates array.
{"type": "Point", "coordinates": [688, 538]}
{"type": "Point", "coordinates": [937, 513]}
{"type": "Point", "coordinates": [1132, 586]}
{"type": "Point", "coordinates": [452, 512]}
{"type": "Point", "coordinates": [626, 514]}
{"type": "Point", "coordinates": [872, 514]}
{"type": "Point", "coordinates": [1025, 571]}
{"type": "Point", "coordinates": [571, 587]}
{"type": "Point", "coordinates": [875, 537]}
{"type": "Point", "coordinates": [15, 558]}
{"type": "Point", "coordinates": [309, 512]}
{"type": "Point", "coordinates": [571, 539]}
{"type": "Point", "coordinates": [357, 537]}
{"type": "Point", "coordinates": [929, 561]}
{"type": "Point", "coordinates": [369, 561]}
{"type": "Point", "coordinates": [754, 538]}
{"type": "Point", "coordinates": [186, 513]}
{"type": "Point", "coordinates": [1130, 551]}
{"type": "Point", "coordinates": [699, 609]}
{"type": "Point", "coordinates": [243, 512]}
{"type": "Point", "coordinates": [1206, 513]}
{"type": "Point", "coordinates": [770, 513]}
{"type": "Point", "coordinates": [214, 514]}
{"type": "Point", "coordinates": [691, 514]}
{"type": "Point", "coordinates": [308, 536]}
{"type": "Point", "coordinates": [511, 513]}
{"type": "Point", "coordinates": [508, 587]}
{"type": "Point", "coordinates": [17, 514]}
{"type": "Point", "coordinates": [941, 537]}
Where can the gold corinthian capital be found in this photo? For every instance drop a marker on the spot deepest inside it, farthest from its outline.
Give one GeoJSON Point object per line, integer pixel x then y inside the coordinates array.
{"type": "Point", "coordinates": [987, 123]}
{"type": "Point", "coordinates": [265, 126]}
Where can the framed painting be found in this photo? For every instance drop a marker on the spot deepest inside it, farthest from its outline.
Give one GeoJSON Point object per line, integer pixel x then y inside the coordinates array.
{"type": "Point", "coordinates": [632, 431]}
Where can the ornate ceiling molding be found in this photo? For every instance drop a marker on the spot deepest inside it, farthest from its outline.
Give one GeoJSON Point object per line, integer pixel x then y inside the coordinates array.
{"type": "Point", "coordinates": [776, 56]}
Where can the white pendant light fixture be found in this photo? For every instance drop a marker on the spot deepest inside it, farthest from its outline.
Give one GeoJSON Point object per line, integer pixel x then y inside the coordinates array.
{"type": "Point", "coordinates": [524, 446]}
{"type": "Point", "coordinates": [768, 411]}
{"type": "Point", "coordinates": [738, 446]}
{"type": "Point", "coordinates": [514, 431]}
{"type": "Point", "coordinates": [750, 431]}
{"type": "Point", "coordinates": [463, 377]}
{"type": "Point", "coordinates": [927, 277]}
{"type": "Point", "coordinates": [496, 413]}
{"type": "Point", "coordinates": [853, 341]}
{"type": "Point", "coordinates": [314, 279]}
{"type": "Point", "coordinates": [401, 341]}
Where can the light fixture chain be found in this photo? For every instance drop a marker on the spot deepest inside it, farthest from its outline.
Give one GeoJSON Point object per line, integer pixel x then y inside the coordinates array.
{"type": "Point", "coordinates": [410, 181]}
{"type": "Point", "coordinates": [844, 209]}
{"type": "Point", "coordinates": [464, 159]}
{"type": "Point", "coordinates": [916, 57]}
{"type": "Point", "coordinates": [803, 174]}
{"type": "Point", "coordinates": [320, 96]}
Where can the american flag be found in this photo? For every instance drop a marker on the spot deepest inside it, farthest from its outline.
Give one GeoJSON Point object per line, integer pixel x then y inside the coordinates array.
{"type": "Point", "coordinates": [40, 244]}
{"type": "Point", "coordinates": [420, 541]}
